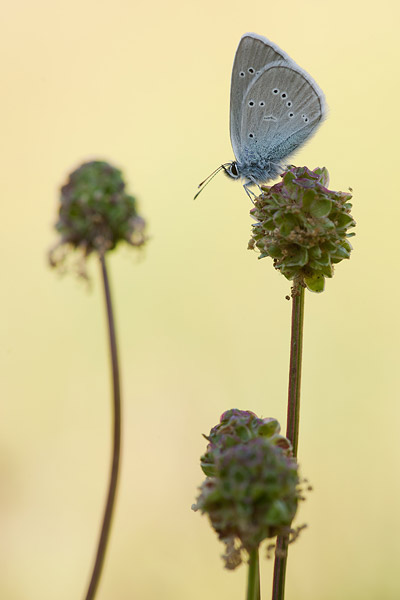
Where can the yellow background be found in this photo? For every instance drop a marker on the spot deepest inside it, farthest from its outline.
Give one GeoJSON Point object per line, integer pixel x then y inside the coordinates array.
{"type": "Point", "coordinates": [203, 325]}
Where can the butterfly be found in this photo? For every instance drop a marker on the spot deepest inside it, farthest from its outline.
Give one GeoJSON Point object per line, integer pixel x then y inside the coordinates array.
{"type": "Point", "coordinates": [275, 107]}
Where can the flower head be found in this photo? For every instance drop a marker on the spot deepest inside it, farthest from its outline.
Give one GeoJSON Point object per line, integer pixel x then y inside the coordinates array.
{"type": "Point", "coordinates": [253, 490]}
{"type": "Point", "coordinates": [303, 226]}
{"type": "Point", "coordinates": [96, 212]}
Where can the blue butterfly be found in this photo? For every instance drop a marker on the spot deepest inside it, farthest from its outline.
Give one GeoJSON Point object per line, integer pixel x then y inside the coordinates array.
{"type": "Point", "coordinates": [275, 107]}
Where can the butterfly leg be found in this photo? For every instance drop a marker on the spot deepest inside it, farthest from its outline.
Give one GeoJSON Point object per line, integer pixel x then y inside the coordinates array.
{"type": "Point", "coordinates": [249, 192]}
{"type": "Point", "coordinates": [254, 182]}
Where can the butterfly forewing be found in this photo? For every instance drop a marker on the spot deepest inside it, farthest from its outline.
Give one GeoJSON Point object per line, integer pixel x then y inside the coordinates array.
{"type": "Point", "coordinates": [280, 110]}
{"type": "Point", "coordinates": [254, 53]}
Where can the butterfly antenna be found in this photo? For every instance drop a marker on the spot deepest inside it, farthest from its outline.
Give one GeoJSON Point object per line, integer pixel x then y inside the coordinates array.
{"type": "Point", "coordinates": [207, 180]}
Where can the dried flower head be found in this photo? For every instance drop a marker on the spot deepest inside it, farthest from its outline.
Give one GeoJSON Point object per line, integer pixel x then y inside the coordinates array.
{"type": "Point", "coordinates": [96, 213]}
{"type": "Point", "coordinates": [303, 226]}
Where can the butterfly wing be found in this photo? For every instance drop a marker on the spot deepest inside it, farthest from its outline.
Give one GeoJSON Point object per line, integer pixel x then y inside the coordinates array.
{"type": "Point", "coordinates": [253, 54]}
{"type": "Point", "coordinates": [280, 110]}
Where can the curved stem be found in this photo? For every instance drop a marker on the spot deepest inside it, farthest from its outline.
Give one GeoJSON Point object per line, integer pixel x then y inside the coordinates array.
{"type": "Point", "coordinates": [253, 577]}
{"type": "Point", "coordinates": [292, 428]}
{"type": "Point", "coordinates": [106, 525]}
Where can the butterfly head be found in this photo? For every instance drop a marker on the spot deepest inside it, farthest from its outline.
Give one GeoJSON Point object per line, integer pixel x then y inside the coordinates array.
{"type": "Point", "coordinates": [232, 169]}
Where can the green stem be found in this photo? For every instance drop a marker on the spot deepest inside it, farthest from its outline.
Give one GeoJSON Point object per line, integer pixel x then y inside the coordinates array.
{"type": "Point", "coordinates": [292, 429]}
{"type": "Point", "coordinates": [253, 578]}
{"type": "Point", "coordinates": [108, 511]}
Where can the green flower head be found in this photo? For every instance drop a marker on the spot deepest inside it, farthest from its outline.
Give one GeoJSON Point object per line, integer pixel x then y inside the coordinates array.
{"type": "Point", "coordinates": [253, 488]}
{"type": "Point", "coordinates": [303, 226]}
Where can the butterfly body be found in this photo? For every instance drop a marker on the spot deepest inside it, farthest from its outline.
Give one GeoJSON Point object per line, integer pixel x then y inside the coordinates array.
{"type": "Point", "coordinates": [254, 168]}
{"type": "Point", "coordinates": [275, 107]}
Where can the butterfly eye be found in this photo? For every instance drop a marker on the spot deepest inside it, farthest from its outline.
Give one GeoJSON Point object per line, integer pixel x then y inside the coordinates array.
{"type": "Point", "coordinates": [251, 103]}
{"type": "Point", "coordinates": [288, 103]}
{"type": "Point", "coordinates": [250, 70]}
{"type": "Point", "coordinates": [262, 103]}
{"type": "Point", "coordinates": [275, 91]}
{"type": "Point", "coordinates": [234, 170]}
{"type": "Point", "coordinates": [241, 74]}
{"type": "Point", "coordinates": [284, 95]}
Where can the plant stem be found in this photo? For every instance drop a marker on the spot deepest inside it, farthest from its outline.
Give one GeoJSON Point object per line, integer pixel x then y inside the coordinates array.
{"type": "Point", "coordinates": [253, 578]}
{"type": "Point", "coordinates": [108, 511]}
{"type": "Point", "coordinates": [292, 428]}
{"type": "Point", "coordinates": [296, 350]}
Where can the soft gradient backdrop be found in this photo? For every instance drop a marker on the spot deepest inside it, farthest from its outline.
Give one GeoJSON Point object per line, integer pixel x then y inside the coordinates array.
{"type": "Point", "coordinates": [203, 325]}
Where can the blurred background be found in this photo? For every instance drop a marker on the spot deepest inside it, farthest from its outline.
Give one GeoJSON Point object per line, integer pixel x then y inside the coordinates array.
{"type": "Point", "coordinates": [203, 325]}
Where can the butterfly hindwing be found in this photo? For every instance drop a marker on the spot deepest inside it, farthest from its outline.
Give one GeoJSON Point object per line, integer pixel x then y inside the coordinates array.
{"type": "Point", "coordinates": [279, 111]}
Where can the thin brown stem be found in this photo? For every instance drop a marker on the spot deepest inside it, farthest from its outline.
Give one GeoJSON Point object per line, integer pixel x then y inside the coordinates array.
{"type": "Point", "coordinates": [296, 351]}
{"type": "Point", "coordinates": [292, 428]}
{"type": "Point", "coordinates": [108, 511]}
